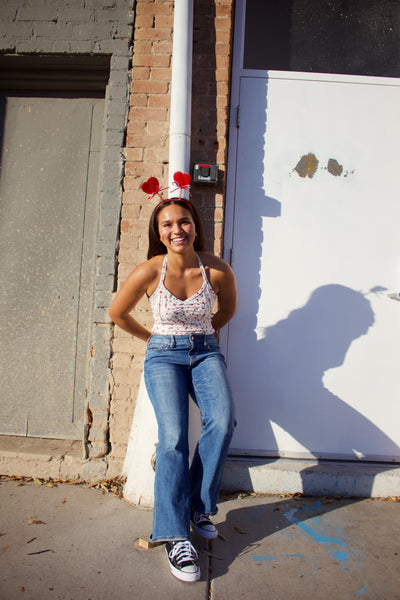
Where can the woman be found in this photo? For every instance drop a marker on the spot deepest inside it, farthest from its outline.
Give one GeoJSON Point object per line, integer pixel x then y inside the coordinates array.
{"type": "Point", "coordinates": [182, 282]}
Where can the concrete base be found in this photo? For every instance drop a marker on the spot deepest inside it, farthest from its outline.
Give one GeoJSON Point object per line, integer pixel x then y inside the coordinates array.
{"type": "Point", "coordinates": [312, 478]}
{"type": "Point", "coordinates": [48, 459]}
{"type": "Point", "coordinates": [63, 460]}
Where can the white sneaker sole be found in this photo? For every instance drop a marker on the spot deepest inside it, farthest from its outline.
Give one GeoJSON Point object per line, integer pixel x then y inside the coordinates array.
{"type": "Point", "coordinates": [183, 576]}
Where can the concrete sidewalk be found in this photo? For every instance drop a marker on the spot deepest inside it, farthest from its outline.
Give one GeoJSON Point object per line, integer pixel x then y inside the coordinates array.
{"type": "Point", "coordinates": [70, 542]}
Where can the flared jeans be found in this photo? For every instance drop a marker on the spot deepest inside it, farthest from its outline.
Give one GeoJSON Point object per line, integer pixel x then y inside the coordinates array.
{"type": "Point", "coordinates": [176, 367]}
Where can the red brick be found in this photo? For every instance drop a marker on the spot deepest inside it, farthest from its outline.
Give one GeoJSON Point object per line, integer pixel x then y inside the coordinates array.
{"type": "Point", "coordinates": [158, 129]}
{"type": "Point", "coordinates": [136, 169]}
{"type": "Point", "coordinates": [138, 100]}
{"type": "Point", "coordinates": [164, 22]}
{"type": "Point", "coordinates": [161, 74]}
{"type": "Point", "coordinates": [143, 21]}
{"type": "Point", "coordinates": [132, 196]}
{"type": "Point", "coordinates": [223, 10]}
{"type": "Point", "coordinates": [133, 154]}
{"type": "Point", "coordinates": [142, 46]}
{"type": "Point", "coordinates": [222, 102]}
{"type": "Point", "coordinates": [142, 73]}
{"type": "Point", "coordinates": [163, 47]}
{"type": "Point", "coordinates": [159, 100]}
{"type": "Point", "coordinates": [132, 211]}
{"type": "Point", "coordinates": [153, 34]}
{"type": "Point", "coordinates": [222, 49]}
{"type": "Point", "coordinates": [151, 60]}
{"type": "Point", "coordinates": [223, 36]}
{"type": "Point", "coordinates": [135, 127]}
{"type": "Point", "coordinates": [222, 24]}
{"type": "Point", "coordinates": [149, 114]}
{"type": "Point", "coordinates": [150, 87]}
{"type": "Point", "coordinates": [222, 88]}
{"type": "Point", "coordinates": [157, 154]}
{"type": "Point", "coordinates": [154, 8]}
{"type": "Point", "coordinates": [222, 75]}
{"type": "Point", "coordinates": [222, 62]}
{"type": "Point", "coordinates": [142, 141]}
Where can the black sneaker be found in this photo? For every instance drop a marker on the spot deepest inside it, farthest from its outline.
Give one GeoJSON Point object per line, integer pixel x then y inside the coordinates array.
{"type": "Point", "coordinates": [203, 525]}
{"type": "Point", "coordinates": [182, 559]}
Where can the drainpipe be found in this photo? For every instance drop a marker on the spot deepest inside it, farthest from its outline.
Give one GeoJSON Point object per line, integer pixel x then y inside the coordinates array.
{"type": "Point", "coordinates": [143, 436]}
{"type": "Point", "coordinates": [181, 89]}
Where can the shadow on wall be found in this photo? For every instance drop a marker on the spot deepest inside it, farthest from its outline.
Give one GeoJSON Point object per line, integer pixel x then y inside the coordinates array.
{"type": "Point", "coordinates": [204, 132]}
{"type": "Point", "coordinates": [298, 351]}
{"type": "Point", "coordinates": [279, 376]}
{"type": "Point", "coordinates": [288, 365]}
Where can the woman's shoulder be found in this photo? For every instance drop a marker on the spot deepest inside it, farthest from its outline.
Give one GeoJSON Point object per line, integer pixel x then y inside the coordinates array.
{"type": "Point", "coordinates": [219, 272]}
{"type": "Point", "coordinates": [149, 270]}
{"type": "Point", "coordinates": [214, 262]}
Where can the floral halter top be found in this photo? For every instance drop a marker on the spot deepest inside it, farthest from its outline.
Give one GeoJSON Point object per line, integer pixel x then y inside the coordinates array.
{"type": "Point", "coordinates": [173, 316]}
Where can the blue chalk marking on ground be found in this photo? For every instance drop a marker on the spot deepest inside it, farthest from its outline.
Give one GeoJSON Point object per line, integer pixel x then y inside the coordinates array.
{"type": "Point", "coordinates": [362, 589]}
{"type": "Point", "coordinates": [261, 559]}
{"type": "Point", "coordinates": [319, 537]}
{"type": "Point", "coordinates": [341, 555]}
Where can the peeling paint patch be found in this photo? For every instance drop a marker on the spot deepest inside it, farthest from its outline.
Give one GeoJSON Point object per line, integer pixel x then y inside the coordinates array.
{"type": "Point", "coordinates": [307, 165]}
{"type": "Point", "coordinates": [334, 168]}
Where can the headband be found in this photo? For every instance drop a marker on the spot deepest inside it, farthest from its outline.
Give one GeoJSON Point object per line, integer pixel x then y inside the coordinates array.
{"type": "Point", "coordinates": [161, 204]}
{"type": "Point", "coordinates": [153, 188]}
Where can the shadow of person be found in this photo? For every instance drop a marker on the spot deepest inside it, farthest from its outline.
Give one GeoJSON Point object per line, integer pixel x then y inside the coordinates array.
{"type": "Point", "coordinates": [250, 529]}
{"type": "Point", "coordinates": [285, 381]}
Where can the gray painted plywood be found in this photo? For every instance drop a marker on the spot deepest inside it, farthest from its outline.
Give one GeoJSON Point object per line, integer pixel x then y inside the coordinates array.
{"type": "Point", "coordinates": [47, 212]}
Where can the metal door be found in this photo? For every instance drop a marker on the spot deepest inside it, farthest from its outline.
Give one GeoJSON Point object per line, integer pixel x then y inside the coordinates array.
{"type": "Point", "coordinates": [312, 222]}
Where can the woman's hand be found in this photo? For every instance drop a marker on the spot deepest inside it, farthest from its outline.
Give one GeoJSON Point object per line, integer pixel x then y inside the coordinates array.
{"type": "Point", "coordinates": [128, 296]}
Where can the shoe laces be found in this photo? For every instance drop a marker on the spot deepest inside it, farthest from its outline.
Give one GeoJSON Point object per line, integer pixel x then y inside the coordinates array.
{"type": "Point", "coordinates": [183, 551]}
{"type": "Point", "coordinates": [201, 519]}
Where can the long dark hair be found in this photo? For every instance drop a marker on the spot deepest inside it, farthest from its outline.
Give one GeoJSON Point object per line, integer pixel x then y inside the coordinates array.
{"type": "Point", "coordinates": [156, 247]}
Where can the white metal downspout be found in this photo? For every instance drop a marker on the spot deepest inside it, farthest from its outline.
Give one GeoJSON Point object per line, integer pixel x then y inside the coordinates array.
{"type": "Point", "coordinates": [181, 89]}
{"type": "Point", "coordinates": [143, 436]}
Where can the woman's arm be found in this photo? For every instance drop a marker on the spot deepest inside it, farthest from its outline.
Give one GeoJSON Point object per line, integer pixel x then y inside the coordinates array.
{"type": "Point", "coordinates": [225, 285]}
{"type": "Point", "coordinates": [128, 296]}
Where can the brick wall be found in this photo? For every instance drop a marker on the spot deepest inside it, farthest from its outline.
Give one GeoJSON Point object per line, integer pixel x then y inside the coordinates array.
{"type": "Point", "coordinates": [146, 155]}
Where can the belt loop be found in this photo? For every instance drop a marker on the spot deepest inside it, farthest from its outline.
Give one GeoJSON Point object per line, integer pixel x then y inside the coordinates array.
{"type": "Point", "coordinates": [172, 341]}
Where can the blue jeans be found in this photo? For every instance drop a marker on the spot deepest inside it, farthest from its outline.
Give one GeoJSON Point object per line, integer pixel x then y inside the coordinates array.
{"type": "Point", "coordinates": [174, 367]}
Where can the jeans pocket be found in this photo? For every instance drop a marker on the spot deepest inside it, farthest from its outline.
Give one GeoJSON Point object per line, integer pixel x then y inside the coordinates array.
{"type": "Point", "coordinates": [155, 343]}
{"type": "Point", "coordinates": [212, 344]}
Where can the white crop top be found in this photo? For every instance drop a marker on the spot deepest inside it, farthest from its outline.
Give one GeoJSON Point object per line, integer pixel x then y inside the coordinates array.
{"type": "Point", "coordinates": [173, 316]}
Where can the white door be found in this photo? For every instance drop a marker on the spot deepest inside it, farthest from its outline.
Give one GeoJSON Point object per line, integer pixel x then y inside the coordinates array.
{"type": "Point", "coordinates": [312, 220]}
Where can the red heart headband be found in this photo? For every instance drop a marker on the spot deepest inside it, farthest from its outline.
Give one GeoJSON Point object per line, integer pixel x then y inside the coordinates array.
{"type": "Point", "coordinates": [153, 188]}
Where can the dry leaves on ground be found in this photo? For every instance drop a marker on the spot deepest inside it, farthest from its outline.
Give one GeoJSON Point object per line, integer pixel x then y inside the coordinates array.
{"type": "Point", "coordinates": [114, 486]}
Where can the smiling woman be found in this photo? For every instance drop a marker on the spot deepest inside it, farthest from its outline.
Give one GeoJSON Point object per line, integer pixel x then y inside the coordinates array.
{"type": "Point", "coordinates": [156, 246]}
{"type": "Point", "coordinates": [183, 282]}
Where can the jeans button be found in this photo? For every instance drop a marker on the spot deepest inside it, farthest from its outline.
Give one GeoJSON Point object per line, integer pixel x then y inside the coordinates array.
{"type": "Point", "coordinates": [192, 337]}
